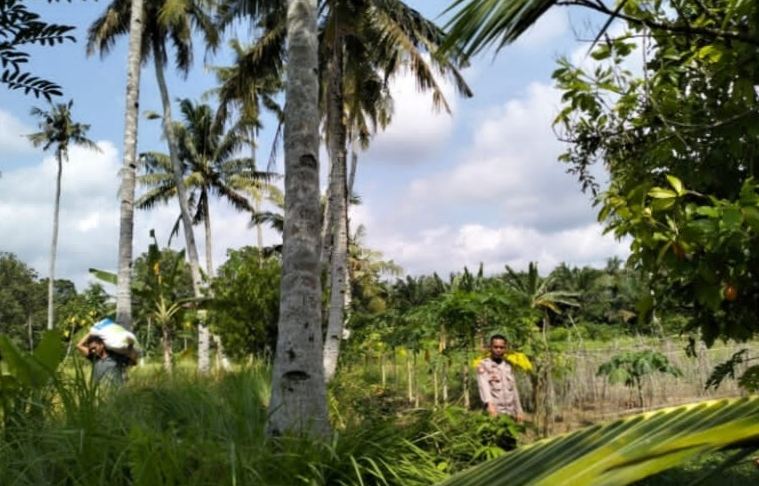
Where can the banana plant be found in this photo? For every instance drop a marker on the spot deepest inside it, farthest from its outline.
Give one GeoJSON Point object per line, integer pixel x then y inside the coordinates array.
{"type": "Point", "coordinates": [623, 451]}
{"type": "Point", "coordinates": [25, 377]}
{"type": "Point", "coordinates": [158, 294]}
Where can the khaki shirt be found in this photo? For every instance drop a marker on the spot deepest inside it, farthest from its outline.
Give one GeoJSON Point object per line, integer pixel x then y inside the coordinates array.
{"type": "Point", "coordinates": [498, 386]}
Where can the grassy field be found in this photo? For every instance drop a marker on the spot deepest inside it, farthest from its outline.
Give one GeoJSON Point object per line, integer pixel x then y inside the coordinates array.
{"type": "Point", "coordinates": [185, 429]}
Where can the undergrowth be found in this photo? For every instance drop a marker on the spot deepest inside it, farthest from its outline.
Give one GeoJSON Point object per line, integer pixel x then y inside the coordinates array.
{"type": "Point", "coordinates": [186, 430]}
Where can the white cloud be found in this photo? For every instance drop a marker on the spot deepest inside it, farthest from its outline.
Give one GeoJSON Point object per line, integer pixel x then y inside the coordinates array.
{"type": "Point", "coordinates": [12, 135]}
{"type": "Point", "coordinates": [551, 26]}
{"type": "Point", "coordinates": [512, 168]}
{"type": "Point", "coordinates": [446, 249]}
{"type": "Point", "coordinates": [89, 216]}
{"type": "Point", "coordinates": [504, 200]}
{"type": "Point", "coordinates": [416, 127]}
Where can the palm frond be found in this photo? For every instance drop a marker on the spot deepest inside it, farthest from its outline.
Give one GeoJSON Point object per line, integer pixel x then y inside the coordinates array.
{"type": "Point", "coordinates": [623, 451]}
{"type": "Point", "coordinates": [477, 24]}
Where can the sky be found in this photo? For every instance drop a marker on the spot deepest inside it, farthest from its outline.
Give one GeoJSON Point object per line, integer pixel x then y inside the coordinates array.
{"type": "Point", "coordinates": [439, 191]}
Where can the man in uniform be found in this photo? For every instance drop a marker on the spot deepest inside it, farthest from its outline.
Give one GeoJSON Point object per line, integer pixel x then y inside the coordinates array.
{"type": "Point", "coordinates": [495, 378]}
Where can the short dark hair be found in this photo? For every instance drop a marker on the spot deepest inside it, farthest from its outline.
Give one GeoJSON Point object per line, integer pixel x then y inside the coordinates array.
{"type": "Point", "coordinates": [94, 339]}
{"type": "Point", "coordinates": [498, 336]}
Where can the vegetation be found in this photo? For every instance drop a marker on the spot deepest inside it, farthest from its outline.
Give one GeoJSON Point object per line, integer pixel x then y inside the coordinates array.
{"type": "Point", "coordinates": [343, 370]}
{"type": "Point", "coordinates": [19, 28]}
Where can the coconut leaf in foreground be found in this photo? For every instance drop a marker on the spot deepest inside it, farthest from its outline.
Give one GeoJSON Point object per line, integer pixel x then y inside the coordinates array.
{"type": "Point", "coordinates": [623, 451]}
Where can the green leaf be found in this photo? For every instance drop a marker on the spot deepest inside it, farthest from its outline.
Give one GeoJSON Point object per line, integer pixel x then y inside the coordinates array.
{"type": "Point", "coordinates": [708, 211]}
{"type": "Point", "coordinates": [663, 204]}
{"type": "Point", "coordinates": [104, 276]}
{"type": "Point", "coordinates": [623, 451]}
{"type": "Point", "coordinates": [709, 295]}
{"type": "Point", "coordinates": [661, 193]}
{"type": "Point", "coordinates": [751, 214]}
{"type": "Point", "coordinates": [50, 351]}
{"type": "Point", "coordinates": [732, 218]}
{"type": "Point", "coordinates": [676, 184]}
{"type": "Point", "coordinates": [28, 371]}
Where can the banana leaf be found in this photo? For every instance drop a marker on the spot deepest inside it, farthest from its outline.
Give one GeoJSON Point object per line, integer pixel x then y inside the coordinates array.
{"type": "Point", "coordinates": [623, 451]}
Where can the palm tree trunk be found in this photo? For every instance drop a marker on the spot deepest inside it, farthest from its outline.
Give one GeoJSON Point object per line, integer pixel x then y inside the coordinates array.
{"type": "Point", "coordinates": [257, 197]}
{"type": "Point", "coordinates": [383, 370]}
{"type": "Point", "coordinates": [31, 333]}
{"type": "Point", "coordinates": [167, 348]}
{"type": "Point", "coordinates": [209, 237]}
{"type": "Point", "coordinates": [221, 359]}
{"type": "Point", "coordinates": [126, 190]}
{"type": "Point", "coordinates": [354, 165]}
{"type": "Point", "coordinates": [189, 235]}
{"type": "Point", "coordinates": [338, 217]}
{"type": "Point", "coordinates": [409, 379]}
{"type": "Point", "coordinates": [54, 244]}
{"type": "Point", "coordinates": [299, 393]}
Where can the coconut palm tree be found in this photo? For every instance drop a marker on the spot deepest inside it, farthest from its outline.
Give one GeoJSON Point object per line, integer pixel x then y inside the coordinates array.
{"type": "Point", "coordinates": [363, 43]}
{"type": "Point", "coordinates": [299, 393]}
{"type": "Point", "coordinates": [539, 293]}
{"type": "Point", "coordinates": [164, 21]}
{"type": "Point", "coordinates": [209, 156]}
{"type": "Point", "coordinates": [58, 129]}
{"type": "Point", "coordinates": [360, 39]}
{"type": "Point", "coordinates": [248, 87]}
{"type": "Point", "coordinates": [126, 189]}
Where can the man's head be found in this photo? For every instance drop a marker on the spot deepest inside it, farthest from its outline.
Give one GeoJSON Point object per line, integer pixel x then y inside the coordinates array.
{"type": "Point", "coordinates": [498, 346]}
{"type": "Point", "coordinates": [96, 346]}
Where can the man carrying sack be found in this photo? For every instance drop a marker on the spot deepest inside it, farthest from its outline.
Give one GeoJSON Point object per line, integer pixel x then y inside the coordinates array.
{"type": "Point", "coordinates": [111, 350]}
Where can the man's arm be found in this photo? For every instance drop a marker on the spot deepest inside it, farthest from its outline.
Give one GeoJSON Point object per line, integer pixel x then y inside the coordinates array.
{"type": "Point", "coordinates": [520, 412]}
{"type": "Point", "coordinates": [82, 346]}
{"type": "Point", "coordinates": [484, 387]}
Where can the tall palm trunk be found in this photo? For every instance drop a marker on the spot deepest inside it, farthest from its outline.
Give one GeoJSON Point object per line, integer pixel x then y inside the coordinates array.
{"type": "Point", "coordinates": [257, 198]}
{"type": "Point", "coordinates": [221, 359]}
{"type": "Point", "coordinates": [126, 190]}
{"type": "Point", "coordinates": [354, 165]}
{"type": "Point", "coordinates": [209, 239]}
{"type": "Point", "coordinates": [168, 352]}
{"type": "Point", "coordinates": [189, 235]}
{"type": "Point", "coordinates": [338, 215]}
{"type": "Point", "coordinates": [299, 394]}
{"type": "Point", "coordinates": [54, 244]}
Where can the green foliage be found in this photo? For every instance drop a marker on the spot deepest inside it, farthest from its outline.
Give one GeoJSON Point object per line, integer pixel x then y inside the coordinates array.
{"type": "Point", "coordinates": [82, 310]}
{"type": "Point", "coordinates": [25, 378]}
{"type": "Point", "coordinates": [700, 244]}
{"type": "Point", "coordinates": [626, 450]}
{"type": "Point", "coordinates": [630, 368]}
{"type": "Point", "coordinates": [748, 380]}
{"type": "Point", "coordinates": [680, 143]}
{"type": "Point", "coordinates": [22, 300]}
{"type": "Point", "coordinates": [20, 28]}
{"type": "Point", "coordinates": [195, 431]}
{"type": "Point", "coordinates": [461, 438]}
{"type": "Point", "coordinates": [245, 307]}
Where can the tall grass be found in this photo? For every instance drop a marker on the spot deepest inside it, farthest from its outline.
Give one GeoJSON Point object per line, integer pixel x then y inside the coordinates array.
{"type": "Point", "coordinates": [196, 431]}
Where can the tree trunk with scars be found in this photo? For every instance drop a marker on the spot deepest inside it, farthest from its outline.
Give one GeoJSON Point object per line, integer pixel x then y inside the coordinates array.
{"type": "Point", "coordinates": [126, 190]}
{"type": "Point", "coordinates": [176, 164]}
{"type": "Point", "coordinates": [168, 354]}
{"type": "Point", "coordinates": [54, 244]}
{"type": "Point", "coordinates": [221, 359]}
{"type": "Point", "coordinates": [338, 198]}
{"type": "Point", "coordinates": [299, 394]}
{"type": "Point", "coordinates": [257, 199]}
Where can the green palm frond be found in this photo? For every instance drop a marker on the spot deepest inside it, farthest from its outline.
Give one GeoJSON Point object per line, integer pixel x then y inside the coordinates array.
{"type": "Point", "coordinates": [623, 451]}
{"type": "Point", "coordinates": [477, 24]}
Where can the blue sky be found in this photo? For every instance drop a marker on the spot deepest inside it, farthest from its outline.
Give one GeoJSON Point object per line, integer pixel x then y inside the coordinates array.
{"type": "Point", "coordinates": [439, 192]}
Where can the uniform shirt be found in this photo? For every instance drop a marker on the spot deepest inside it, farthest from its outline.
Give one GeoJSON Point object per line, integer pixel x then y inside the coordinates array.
{"type": "Point", "coordinates": [498, 386]}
